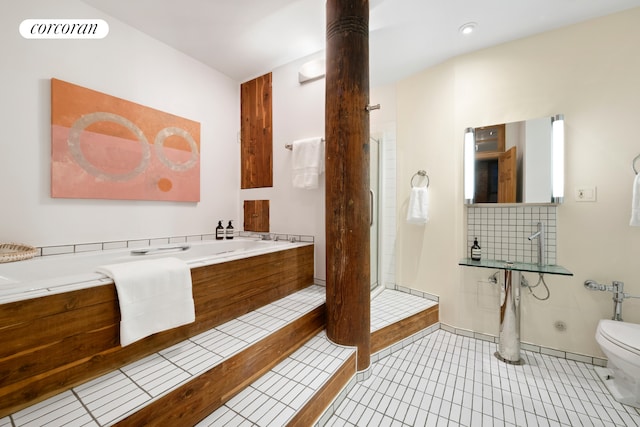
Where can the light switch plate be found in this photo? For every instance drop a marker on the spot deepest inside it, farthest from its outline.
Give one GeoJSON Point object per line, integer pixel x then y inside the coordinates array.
{"type": "Point", "coordinates": [585, 194]}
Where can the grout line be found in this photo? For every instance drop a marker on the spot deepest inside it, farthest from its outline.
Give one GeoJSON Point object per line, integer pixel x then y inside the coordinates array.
{"type": "Point", "coordinates": [73, 391]}
{"type": "Point", "coordinates": [534, 348]}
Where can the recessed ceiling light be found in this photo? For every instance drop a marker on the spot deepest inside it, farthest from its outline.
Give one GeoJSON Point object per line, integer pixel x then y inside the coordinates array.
{"type": "Point", "coordinates": [468, 28]}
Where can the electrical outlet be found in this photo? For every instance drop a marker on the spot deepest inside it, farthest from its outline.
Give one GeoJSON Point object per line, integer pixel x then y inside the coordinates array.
{"type": "Point", "coordinates": [585, 194]}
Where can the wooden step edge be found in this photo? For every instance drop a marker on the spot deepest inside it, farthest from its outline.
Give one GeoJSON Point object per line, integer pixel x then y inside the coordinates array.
{"type": "Point", "coordinates": [193, 401]}
{"type": "Point", "coordinates": [317, 405]}
{"type": "Point", "coordinates": [395, 332]}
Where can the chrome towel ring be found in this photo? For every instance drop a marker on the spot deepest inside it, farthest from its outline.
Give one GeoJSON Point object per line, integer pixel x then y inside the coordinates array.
{"type": "Point", "coordinates": [421, 173]}
{"type": "Point", "coordinates": [633, 164]}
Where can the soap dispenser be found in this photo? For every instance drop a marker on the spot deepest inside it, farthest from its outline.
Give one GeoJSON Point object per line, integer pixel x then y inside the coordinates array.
{"type": "Point", "coordinates": [229, 231]}
{"type": "Point", "coordinates": [219, 231]}
{"type": "Point", "coordinates": [475, 250]}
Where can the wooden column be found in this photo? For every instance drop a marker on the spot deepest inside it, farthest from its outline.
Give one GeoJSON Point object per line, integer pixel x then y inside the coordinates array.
{"type": "Point", "coordinates": [347, 176]}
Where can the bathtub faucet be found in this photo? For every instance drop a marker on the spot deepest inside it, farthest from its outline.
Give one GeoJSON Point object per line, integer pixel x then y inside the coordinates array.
{"type": "Point", "coordinates": [265, 236]}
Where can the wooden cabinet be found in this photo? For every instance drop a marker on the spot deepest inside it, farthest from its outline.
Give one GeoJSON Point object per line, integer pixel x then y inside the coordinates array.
{"type": "Point", "coordinates": [256, 134]}
{"type": "Point", "coordinates": [489, 141]}
{"type": "Point", "coordinates": [256, 215]}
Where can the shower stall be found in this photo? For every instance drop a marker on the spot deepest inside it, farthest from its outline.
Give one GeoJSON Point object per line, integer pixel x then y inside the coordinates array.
{"type": "Point", "coordinates": [382, 175]}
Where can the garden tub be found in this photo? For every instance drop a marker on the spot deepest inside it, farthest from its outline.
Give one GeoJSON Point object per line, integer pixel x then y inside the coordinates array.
{"type": "Point", "coordinates": [61, 273]}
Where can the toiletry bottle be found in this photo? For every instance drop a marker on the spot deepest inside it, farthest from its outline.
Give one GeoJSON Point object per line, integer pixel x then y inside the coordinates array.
{"type": "Point", "coordinates": [219, 231]}
{"type": "Point", "coordinates": [475, 250]}
{"type": "Point", "coordinates": [229, 231]}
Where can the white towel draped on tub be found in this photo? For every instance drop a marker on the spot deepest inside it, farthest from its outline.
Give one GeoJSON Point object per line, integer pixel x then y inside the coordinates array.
{"type": "Point", "coordinates": [635, 203]}
{"type": "Point", "coordinates": [418, 212]}
{"type": "Point", "coordinates": [154, 295]}
{"type": "Point", "coordinates": [307, 162]}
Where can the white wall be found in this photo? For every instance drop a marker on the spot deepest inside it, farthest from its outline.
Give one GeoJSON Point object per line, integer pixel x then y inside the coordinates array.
{"type": "Point", "coordinates": [588, 72]}
{"type": "Point", "coordinates": [298, 112]}
{"type": "Point", "coordinates": [126, 64]}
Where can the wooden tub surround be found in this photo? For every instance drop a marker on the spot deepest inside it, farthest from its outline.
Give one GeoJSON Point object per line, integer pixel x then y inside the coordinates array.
{"type": "Point", "coordinates": [53, 343]}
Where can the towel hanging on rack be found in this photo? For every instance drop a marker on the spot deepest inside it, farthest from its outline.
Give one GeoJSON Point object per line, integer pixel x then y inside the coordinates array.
{"type": "Point", "coordinates": [635, 196]}
{"type": "Point", "coordinates": [290, 146]}
{"type": "Point", "coordinates": [307, 162]}
{"type": "Point", "coordinates": [635, 202]}
{"type": "Point", "coordinates": [418, 211]}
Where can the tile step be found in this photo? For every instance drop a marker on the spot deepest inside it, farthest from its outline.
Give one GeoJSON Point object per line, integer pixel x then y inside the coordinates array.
{"type": "Point", "coordinates": [297, 390]}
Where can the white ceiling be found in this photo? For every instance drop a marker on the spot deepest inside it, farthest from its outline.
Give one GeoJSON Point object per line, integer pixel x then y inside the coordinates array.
{"type": "Point", "coordinates": [247, 38]}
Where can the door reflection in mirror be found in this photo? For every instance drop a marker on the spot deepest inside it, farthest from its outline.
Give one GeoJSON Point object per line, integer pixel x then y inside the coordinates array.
{"type": "Point", "coordinates": [510, 162]}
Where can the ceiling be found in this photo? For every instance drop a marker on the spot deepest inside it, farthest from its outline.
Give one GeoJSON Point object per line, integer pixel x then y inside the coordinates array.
{"type": "Point", "coordinates": [247, 38]}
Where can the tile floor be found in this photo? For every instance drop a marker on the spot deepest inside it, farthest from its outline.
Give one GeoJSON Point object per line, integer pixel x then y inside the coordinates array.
{"type": "Point", "coordinates": [445, 379]}
{"type": "Point", "coordinates": [278, 395]}
{"type": "Point", "coordinates": [273, 399]}
{"type": "Point", "coordinates": [437, 379]}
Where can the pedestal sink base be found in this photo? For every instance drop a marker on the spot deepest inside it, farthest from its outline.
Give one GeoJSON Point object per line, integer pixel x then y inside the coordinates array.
{"type": "Point", "coordinates": [510, 362]}
{"type": "Point", "coordinates": [509, 338]}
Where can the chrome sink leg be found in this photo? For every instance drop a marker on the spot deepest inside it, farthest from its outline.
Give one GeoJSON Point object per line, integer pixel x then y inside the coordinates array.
{"type": "Point", "coordinates": [509, 344]}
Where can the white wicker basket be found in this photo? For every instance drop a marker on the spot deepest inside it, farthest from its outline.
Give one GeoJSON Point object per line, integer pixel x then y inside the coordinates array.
{"type": "Point", "coordinates": [10, 252]}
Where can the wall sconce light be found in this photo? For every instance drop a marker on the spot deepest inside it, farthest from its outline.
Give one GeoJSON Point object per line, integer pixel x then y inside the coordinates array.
{"type": "Point", "coordinates": [469, 165]}
{"type": "Point", "coordinates": [312, 70]}
{"type": "Point", "coordinates": [557, 168]}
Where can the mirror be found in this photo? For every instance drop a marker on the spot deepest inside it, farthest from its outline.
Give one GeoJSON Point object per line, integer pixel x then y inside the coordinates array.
{"type": "Point", "coordinates": [515, 162]}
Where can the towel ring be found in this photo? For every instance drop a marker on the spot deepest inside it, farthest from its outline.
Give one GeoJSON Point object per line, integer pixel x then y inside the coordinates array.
{"type": "Point", "coordinates": [420, 173]}
{"type": "Point", "coordinates": [633, 164]}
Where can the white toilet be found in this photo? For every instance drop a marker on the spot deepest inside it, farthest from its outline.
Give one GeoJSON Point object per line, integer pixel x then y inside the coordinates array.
{"type": "Point", "coordinates": [620, 342]}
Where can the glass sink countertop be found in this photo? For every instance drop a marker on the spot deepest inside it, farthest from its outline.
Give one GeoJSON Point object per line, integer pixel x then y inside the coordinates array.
{"type": "Point", "coordinates": [516, 266]}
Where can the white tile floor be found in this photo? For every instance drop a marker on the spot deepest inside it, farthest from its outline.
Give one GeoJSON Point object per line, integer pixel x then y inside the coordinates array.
{"type": "Point", "coordinates": [445, 379]}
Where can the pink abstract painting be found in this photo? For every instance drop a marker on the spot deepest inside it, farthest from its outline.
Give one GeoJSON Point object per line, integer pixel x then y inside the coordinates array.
{"type": "Point", "coordinates": [103, 147]}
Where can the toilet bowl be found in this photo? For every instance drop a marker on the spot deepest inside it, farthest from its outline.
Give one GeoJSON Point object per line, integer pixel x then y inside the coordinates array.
{"type": "Point", "coordinates": [620, 342]}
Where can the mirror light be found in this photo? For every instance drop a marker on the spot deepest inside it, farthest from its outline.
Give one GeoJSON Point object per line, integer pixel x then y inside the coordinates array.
{"type": "Point", "coordinates": [312, 70]}
{"type": "Point", "coordinates": [469, 165]}
{"type": "Point", "coordinates": [557, 139]}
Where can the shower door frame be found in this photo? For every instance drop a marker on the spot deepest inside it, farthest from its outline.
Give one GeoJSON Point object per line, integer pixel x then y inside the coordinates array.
{"type": "Point", "coordinates": [376, 197]}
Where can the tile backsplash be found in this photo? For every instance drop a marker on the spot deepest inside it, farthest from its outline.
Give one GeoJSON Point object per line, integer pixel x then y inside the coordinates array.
{"type": "Point", "coordinates": [502, 231]}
